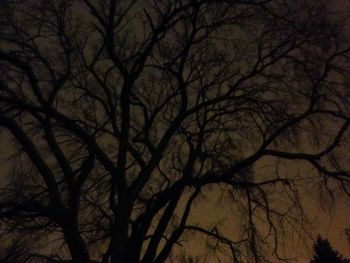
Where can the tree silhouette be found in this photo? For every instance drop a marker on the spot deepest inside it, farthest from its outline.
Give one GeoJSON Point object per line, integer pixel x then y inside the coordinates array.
{"type": "Point", "coordinates": [323, 252]}
{"type": "Point", "coordinates": [119, 117]}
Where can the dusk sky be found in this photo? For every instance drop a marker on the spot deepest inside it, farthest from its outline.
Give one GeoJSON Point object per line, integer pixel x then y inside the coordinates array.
{"type": "Point", "coordinates": [334, 223]}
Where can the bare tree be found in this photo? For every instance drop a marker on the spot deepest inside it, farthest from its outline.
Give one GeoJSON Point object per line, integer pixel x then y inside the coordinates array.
{"type": "Point", "coordinates": [120, 115]}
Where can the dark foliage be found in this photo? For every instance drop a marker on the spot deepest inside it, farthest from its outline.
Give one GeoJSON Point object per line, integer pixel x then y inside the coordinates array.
{"type": "Point", "coordinates": [324, 253]}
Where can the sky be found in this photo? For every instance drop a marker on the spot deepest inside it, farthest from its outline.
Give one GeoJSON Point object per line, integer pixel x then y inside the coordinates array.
{"type": "Point", "coordinates": [329, 218]}
{"type": "Point", "coordinates": [332, 225]}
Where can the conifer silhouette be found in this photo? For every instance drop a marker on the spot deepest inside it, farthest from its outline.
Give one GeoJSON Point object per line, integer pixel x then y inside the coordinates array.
{"type": "Point", "coordinates": [324, 253]}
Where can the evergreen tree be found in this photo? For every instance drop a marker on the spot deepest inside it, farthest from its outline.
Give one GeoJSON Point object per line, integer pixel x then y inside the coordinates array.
{"type": "Point", "coordinates": [324, 253]}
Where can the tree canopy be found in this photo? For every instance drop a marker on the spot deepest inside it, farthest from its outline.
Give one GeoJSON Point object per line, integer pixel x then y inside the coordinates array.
{"type": "Point", "coordinates": [120, 119]}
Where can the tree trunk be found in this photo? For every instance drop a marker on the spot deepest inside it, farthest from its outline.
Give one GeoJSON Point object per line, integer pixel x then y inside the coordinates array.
{"type": "Point", "coordinates": [120, 236]}
{"type": "Point", "coordinates": [76, 244]}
